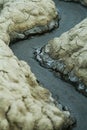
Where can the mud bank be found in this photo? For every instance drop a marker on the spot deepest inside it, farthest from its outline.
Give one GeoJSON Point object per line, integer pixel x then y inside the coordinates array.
{"type": "Point", "coordinates": [67, 56]}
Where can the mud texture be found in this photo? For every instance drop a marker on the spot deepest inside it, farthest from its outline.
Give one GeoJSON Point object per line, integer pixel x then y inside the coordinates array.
{"type": "Point", "coordinates": [21, 18]}
{"type": "Point", "coordinates": [67, 55]}
{"type": "Point", "coordinates": [62, 91]}
{"type": "Point", "coordinates": [24, 103]}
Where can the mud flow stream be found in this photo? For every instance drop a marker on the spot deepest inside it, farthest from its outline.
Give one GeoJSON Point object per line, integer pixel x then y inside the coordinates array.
{"type": "Point", "coordinates": [71, 14]}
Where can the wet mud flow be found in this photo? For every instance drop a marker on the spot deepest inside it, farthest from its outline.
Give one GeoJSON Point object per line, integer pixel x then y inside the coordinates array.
{"type": "Point", "coordinates": [71, 14]}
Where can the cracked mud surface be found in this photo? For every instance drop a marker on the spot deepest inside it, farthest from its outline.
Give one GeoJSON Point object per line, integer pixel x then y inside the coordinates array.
{"type": "Point", "coordinates": [61, 91]}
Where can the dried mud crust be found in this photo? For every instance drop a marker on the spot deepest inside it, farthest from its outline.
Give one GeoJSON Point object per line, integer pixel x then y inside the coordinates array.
{"type": "Point", "coordinates": [24, 103]}
{"type": "Point", "coordinates": [67, 55]}
{"type": "Point", "coordinates": [18, 19]}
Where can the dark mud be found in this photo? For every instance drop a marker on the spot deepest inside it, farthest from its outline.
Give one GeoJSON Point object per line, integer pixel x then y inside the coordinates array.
{"type": "Point", "coordinates": [71, 14]}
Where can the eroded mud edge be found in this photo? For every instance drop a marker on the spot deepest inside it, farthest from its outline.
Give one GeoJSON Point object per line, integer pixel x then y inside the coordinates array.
{"type": "Point", "coordinates": [59, 68]}
{"type": "Point", "coordinates": [37, 30]}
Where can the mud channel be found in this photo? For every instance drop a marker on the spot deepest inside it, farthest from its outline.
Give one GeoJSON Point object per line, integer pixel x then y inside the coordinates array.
{"type": "Point", "coordinates": [71, 14]}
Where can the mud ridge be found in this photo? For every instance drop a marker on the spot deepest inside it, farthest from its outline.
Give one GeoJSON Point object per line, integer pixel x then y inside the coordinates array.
{"type": "Point", "coordinates": [60, 70]}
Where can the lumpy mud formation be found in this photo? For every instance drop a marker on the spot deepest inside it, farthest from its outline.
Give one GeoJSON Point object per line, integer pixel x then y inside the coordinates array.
{"type": "Point", "coordinates": [25, 104]}
{"type": "Point", "coordinates": [18, 19]}
{"type": "Point", "coordinates": [67, 55]}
